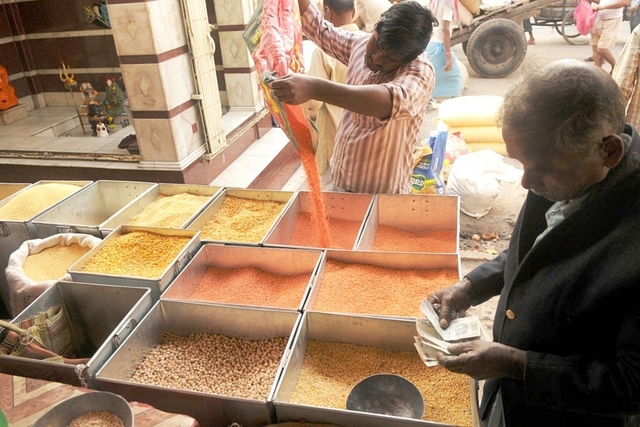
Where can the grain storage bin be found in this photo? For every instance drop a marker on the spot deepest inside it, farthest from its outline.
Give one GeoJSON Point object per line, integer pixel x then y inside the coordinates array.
{"type": "Point", "coordinates": [7, 189]}
{"type": "Point", "coordinates": [13, 232]}
{"type": "Point", "coordinates": [245, 221]}
{"type": "Point", "coordinates": [360, 347]}
{"type": "Point", "coordinates": [86, 210]}
{"type": "Point", "coordinates": [295, 269]}
{"type": "Point", "coordinates": [141, 203]}
{"type": "Point", "coordinates": [412, 223]}
{"type": "Point", "coordinates": [128, 257]}
{"type": "Point", "coordinates": [186, 318]}
{"type": "Point", "coordinates": [101, 317]}
{"type": "Point", "coordinates": [346, 214]}
{"type": "Point", "coordinates": [385, 284]}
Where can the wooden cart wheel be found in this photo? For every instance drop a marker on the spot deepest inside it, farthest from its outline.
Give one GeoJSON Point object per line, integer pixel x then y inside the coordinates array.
{"type": "Point", "coordinates": [496, 48]}
{"type": "Point", "coordinates": [570, 32]}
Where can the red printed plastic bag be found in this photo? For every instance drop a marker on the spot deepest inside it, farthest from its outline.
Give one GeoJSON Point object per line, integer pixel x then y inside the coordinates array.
{"type": "Point", "coordinates": [585, 17]}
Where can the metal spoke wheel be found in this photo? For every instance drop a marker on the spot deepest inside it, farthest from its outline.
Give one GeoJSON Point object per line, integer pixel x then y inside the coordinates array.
{"type": "Point", "coordinates": [570, 32]}
{"type": "Point", "coordinates": [496, 48]}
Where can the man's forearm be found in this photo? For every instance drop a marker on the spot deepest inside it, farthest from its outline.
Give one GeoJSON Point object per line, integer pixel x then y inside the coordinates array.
{"type": "Point", "coordinates": [368, 100]}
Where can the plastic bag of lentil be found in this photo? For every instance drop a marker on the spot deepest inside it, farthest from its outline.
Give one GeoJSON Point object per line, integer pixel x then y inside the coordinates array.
{"type": "Point", "coordinates": [38, 264]}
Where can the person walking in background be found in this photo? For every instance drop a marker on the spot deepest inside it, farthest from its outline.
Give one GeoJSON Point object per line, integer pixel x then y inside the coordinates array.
{"type": "Point", "coordinates": [368, 12]}
{"type": "Point", "coordinates": [605, 32]}
{"type": "Point", "coordinates": [326, 116]}
{"type": "Point", "coordinates": [528, 28]}
{"type": "Point", "coordinates": [389, 85]}
{"type": "Point", "coordinates": [627, 75]}
{"type": "Point", "coordinates": [632, 14]}
{"type": "Point", "coordinates": [448, 73]}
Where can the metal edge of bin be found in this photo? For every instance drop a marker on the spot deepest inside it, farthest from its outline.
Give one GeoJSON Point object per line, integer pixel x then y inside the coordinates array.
{"type": "Point", "coordinates": [391, 210]}
{"type": "Point", "coordinates": [391, 334]}
{"type": "Point", "coordinates": [395, 260]}
{"type": "Point", "coordinates": [57, 220]}
{"type": "Point", "coordinates": [279, 261]}
{"type": "Point", "coordinates": [284, 197]}
{"type": "Point", "coordinates": [157, 285]}
{"type": "Point", "coordinates": [100, 334]}
{"type": "Point", "coordinates": [283, 229]}
{"type": "Point", "coordinates": [180, 317]}
{"type": "Point", "coordinates": [140, 204]}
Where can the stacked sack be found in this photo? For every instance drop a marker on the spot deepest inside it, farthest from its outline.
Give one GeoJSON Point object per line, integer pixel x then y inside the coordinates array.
{"type": "Point", "coordinates": [475, 118]}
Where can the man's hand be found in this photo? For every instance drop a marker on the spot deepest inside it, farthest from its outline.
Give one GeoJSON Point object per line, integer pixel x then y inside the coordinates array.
{"type": "Point", "coordinates": [293, 88]}
{"type": "Point", "coordinates": [451, 302]}
{"type": "Point", "coordinates": [482, 360]}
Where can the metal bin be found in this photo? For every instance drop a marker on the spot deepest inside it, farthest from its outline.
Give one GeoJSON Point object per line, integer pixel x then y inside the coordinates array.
{"type": "Point", "coordinates": [339, 206]}
{"type": "Point", "coordinates": [85, 211]}
{"type": "Point", "coordinates": [139, 204]}
{"type": "Point", "coordinates": [390, 334]}
{"type": "Point", "coordinates": [157, 285]}
{"type": "Point", "coordinates": [101, 317]}
{"type": "Point", "coordinates": [284, 197]}
{"type": "Point", "coordinates": [186, 318]}
{"type": "Point", "coordinates": [280, 261]}
{"type": "Point", "coordinates": [414, 213]}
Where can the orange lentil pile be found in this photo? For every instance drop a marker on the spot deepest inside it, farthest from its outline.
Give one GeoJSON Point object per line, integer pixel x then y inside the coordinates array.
{"type": "Point", "coordinates": [34, 200]}
{"type": "Point", "coordinates": [52, 263]}
{"type": "Point", "coordinates": [331, 369]}
{"type": "Point", "coordinates": [137, 254]}
{"type": "Point", "coordinates": [169, 211]}
{"type": "Point", "coordinates": [251, 286]}
{"type": "Point", "coordinates": [343, 233]}
{"type": "Point", "coordinates": [241, 220]}
{"type": "Point", "coordinates": [395, 240]}
{"type": "Point", "coordinates": [373, 290]}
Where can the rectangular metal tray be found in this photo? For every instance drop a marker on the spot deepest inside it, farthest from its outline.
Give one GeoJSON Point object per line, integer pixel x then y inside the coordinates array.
{"type": "Point", "coordinates": [140, 203]}
{"type": "Point", "coordinates": [280, 261]}
{"type": "Point", "coordinates": [158, 285]}
{"type": "Point", "coordinates": [101, 317]}
{"type": "Point", "coordinates": [414, 213]}
{"type": "Point", "coordinates": [187, 318]}
{"type": "Point", "coordinates": [86, 210]}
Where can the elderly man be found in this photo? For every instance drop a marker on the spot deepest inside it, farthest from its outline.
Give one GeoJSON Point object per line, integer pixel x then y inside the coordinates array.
{"type": "Point", "coordinates": [566, 338]}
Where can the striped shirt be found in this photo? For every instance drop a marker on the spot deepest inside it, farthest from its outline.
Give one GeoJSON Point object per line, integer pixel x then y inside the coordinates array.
{"type": "Point", "coordinates": [373, 155]}
{"type": "Point", "coordinates": [627, 73]}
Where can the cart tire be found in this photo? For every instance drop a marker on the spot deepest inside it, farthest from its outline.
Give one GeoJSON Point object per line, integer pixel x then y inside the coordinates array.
{"type": "Point", "coordinates": [570, 32]}
{"type": "Point", "coordinates": [464, 46]}
{"type": "Point", "coordinates": [496, 48]}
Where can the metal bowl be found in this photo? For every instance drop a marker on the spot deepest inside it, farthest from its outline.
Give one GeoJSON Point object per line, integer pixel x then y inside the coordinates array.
{"type": "Point", "coordinates": [387, 394]}
{"type": "Point", "coordinates": [65, 412]}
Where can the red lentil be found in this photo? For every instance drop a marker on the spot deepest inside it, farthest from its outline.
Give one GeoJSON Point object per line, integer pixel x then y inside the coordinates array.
{"type": "Point", "coordinates": [373, 290]}
{"type": "Point", "coordinates": [343, 233]}
{"type": "Point", "coordinates": [395, 240]}
{"type": "Point", "coordinates": [251, 286]}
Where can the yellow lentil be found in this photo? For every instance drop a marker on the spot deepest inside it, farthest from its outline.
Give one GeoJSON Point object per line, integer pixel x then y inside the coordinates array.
{"type": "Point", "coordinates": [137, 254]}
{"type": "Point", "coordinates": [35, 199]}
{"type": "Point", "coordinates": [52, 263]}
{"type": "Point", "coordinates": [169, 211]}
{"type": "Point", "coordinates": [331, 369]}
{"type": "Point", "coordinates": [241, 220]}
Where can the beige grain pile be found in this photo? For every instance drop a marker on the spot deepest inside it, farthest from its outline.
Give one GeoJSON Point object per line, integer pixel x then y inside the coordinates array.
{"type": "Point", "coordinates": [35, 199]}
{"type": "Point", "coordinates": [97, 419]}
{"type": "Point", "coordinates": [52, 263]}
{"type": "Point", "coordinates": [170, 211]}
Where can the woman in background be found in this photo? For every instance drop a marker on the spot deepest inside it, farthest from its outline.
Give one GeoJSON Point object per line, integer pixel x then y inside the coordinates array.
{"type": "Point", "coordinates": [448, 74]}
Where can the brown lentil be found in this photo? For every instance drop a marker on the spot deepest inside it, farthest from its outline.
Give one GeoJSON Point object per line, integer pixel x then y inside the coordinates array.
{"type": "Point", "coordinates": [251, 286]}
{"type": "Point", "coordinates": [52, 263]}
{"type": "Point", "coordinates": [395, 240]}
{"type": "Point", "coordinates": [97, 419]}
{"type": "Point", "coordinates": [169, 211]}
{"type": "Point", "coordinates": [241, 220]}
{"type": "Point", "coordinates": [342, 233]}
{"type": "Point", "coordinates": [373, 290]}
{"type": "Point", "coordinates": [331, 369]}
{"type": "Point", "coordinates": [138, 254]}
{"type": "Point", "coordinates": [213, 363]}
{"type": "Point", "coordinates": [33, 200]}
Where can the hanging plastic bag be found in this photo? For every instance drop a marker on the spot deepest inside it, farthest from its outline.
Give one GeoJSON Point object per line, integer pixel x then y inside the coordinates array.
{"type": "Point", "coordinates": [584, 17]}
{"type": "Point", "coordinates": [428, 162]}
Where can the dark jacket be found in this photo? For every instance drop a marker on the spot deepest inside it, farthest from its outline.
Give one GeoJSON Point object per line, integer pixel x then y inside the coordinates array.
{"type": "Point", "coordinates": [576, 300]}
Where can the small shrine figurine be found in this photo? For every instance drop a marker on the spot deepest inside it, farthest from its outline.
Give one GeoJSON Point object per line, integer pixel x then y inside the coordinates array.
{"type": "Point", "coordinates": [88, 94]}
{"type": "Point", "coordinates": [113, 98]}
{"type": "Point", "coordinates": [8, 96]}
